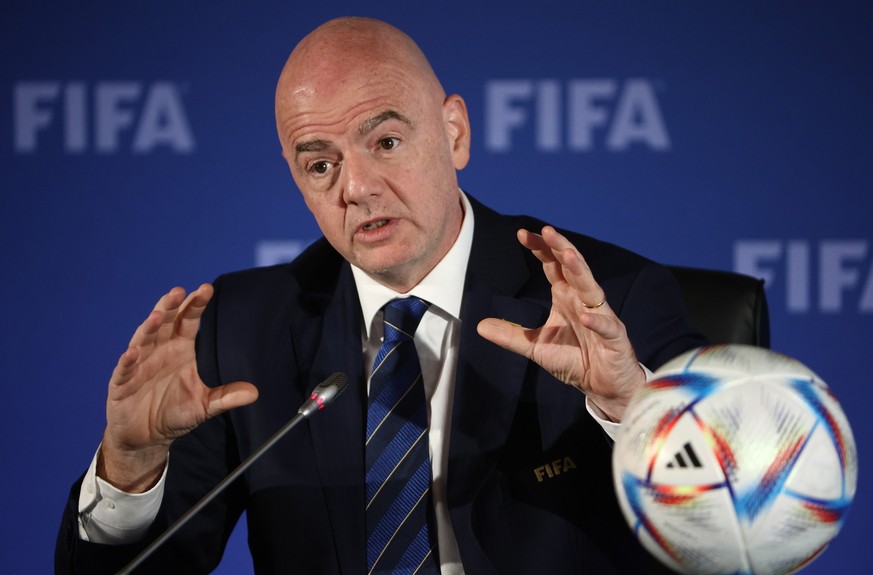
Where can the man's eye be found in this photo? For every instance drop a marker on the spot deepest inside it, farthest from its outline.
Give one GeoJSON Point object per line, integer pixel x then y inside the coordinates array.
{"type": "Point", "coordinates": [320, 168]}
{"type": "Point", "coordinates": [388, 143]}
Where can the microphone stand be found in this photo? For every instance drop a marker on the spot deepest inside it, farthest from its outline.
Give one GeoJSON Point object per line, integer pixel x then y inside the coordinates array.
{"type": "Point", "coordinates": [323, 394]}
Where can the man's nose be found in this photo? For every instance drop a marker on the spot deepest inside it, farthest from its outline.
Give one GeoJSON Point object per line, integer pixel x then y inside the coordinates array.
{"type": "Point", "coordinates": [359, 179]}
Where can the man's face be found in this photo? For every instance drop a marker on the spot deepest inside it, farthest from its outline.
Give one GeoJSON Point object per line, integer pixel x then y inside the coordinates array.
{"type": "Point", "coordinates": [374, 154]}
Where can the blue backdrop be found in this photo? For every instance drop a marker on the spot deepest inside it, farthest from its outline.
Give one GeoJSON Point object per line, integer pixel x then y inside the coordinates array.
{"type": "Point", "coordinates": [138, 152]}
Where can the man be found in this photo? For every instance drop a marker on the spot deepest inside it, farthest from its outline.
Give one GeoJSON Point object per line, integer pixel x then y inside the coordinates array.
{"type": "Point", "coordinates": [374, 144]}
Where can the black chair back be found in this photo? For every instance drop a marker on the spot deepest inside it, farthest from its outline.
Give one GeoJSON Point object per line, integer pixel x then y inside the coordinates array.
{"type": "Point", "coordinates": [726, 307]}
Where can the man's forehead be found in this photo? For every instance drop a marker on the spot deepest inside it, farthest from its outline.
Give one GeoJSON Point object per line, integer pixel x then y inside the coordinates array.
{"type": "Point", "coordinates": [363, 128]}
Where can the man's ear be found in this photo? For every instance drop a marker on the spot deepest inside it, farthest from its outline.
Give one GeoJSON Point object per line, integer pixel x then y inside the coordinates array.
{"type": "Point", "coordinates": [457, 125]}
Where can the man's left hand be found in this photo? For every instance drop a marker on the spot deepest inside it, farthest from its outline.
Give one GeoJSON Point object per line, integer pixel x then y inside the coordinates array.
{"type": "Point", "coordinates": [582, 343]}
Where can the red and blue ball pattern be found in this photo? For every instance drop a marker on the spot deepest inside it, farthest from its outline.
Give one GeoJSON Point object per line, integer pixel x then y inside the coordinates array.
{"type": "Point", "coordinates": [735, 459]}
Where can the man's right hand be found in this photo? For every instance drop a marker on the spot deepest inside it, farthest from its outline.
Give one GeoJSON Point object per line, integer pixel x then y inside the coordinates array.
{"type": "Point", "coordinates": [156, 395]}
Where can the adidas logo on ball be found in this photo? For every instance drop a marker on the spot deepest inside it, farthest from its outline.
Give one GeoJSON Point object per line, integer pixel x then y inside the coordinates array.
{"type": "Point", "coordinates": [685, 458]}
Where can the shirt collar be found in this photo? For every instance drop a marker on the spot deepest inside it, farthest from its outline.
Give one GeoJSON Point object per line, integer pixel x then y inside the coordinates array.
{"type": "Point", "coordinates": [443, 287]}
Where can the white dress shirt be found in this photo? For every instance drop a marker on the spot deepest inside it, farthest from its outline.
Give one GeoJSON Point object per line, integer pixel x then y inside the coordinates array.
{"type": "Point", "coordinates": [107, 515]}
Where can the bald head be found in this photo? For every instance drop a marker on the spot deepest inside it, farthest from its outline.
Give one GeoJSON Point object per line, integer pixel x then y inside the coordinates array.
{"type": "Point", "coordinates": [326, 60]}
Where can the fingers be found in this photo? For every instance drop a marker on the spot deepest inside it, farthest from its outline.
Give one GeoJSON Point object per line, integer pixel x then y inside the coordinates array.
{"type": "Point", "coordinates": [126, 367]}
{"type": "Point", "coordinates": [168, 307]}
{"type": "Point", "coordinates": [187, 321]}
{"type": "Point", "coordinates": [574, 267]}
{"type": "Point", "coordinates": [230, 396]}
{"type": "Point", "coordinates": [606, 326]}
{"type": "Point", "coordinates": [538, 246]}
{"type": "Point", "coordinates": [562, 262]}
{"type": "Point", "coordinates": [159, 324]}
{"type": "Point", "coordinates": [507, 335]}
{"type": "Point", "coordinates": [174, 315]}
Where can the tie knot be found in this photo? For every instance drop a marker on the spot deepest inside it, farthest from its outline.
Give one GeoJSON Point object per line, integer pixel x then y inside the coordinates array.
{"type": "Point", "coordinates": [402, 316]}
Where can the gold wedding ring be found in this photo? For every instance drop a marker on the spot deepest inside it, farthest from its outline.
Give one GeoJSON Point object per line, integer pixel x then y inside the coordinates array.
{"type": "Point", "coordinates": [595, 306]}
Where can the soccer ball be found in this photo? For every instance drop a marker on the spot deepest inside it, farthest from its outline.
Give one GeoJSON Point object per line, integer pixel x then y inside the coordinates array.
{"type": "Point", "coordinates": [735, 459]}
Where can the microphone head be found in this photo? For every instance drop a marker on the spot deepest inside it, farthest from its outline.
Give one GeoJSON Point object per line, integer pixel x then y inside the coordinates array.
{"type": "Point", "coordinates": [332, 387]}
{"type": "Point", "coordinates": [324, 394]}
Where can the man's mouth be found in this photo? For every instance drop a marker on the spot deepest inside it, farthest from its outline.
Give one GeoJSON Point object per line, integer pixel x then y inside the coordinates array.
{"type": "Point", "coordinates": [374, 225]}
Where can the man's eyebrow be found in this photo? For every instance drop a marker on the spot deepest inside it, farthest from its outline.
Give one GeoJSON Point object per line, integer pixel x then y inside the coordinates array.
{"type": "Point", "coordinates": [311, 146]}
{"type": "Point", "coordinates": [370, 124]}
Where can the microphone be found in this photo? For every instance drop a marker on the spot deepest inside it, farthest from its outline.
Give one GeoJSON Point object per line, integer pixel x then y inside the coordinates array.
{"type": "Point", "coordinates": [323, 395]}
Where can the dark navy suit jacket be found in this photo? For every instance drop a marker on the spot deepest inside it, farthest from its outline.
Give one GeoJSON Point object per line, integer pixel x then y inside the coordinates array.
{"type": "Point", "coordinates": [529, 483]}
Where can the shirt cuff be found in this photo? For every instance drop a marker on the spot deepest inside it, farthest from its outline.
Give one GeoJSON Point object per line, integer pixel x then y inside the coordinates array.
{"type": "Point", "coordinates": [611, 428]}
{"type": "Point", "coordinates": [110, 516]}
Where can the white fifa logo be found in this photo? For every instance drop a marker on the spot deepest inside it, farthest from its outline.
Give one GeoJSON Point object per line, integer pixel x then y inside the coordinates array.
{"type": "Point", "coordinates": [106, 117]}
{"type": "Point", "coordinates": [827, 276]}
{"type": "Point", "coordinates": [578, 116]}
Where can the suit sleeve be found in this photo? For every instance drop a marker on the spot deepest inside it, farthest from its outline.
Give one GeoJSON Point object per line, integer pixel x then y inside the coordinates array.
{"type": "Point", "coordinates": [655, 317]}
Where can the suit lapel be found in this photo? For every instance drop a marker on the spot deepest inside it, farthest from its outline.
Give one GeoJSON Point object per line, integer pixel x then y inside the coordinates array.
{"type": "Point", "coordinates": [488, 383]}
{"type": "Point", "coordinates": [338, 433]}
{"type": "Point", "coordinates": [489, 379]}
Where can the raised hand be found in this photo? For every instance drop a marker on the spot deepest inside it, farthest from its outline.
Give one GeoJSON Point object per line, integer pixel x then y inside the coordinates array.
{"type": "Point", "coordinates": [156, 395]}
{"type": "Point", "coordinates": [582, 343]}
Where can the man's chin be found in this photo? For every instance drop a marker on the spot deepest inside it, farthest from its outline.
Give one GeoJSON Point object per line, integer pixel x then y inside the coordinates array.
{"type": "Point", "coordinates": [397, 275]}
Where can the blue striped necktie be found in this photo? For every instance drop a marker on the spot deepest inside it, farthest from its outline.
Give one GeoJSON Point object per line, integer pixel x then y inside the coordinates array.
{"type": "Point", "coordinates": [401, 530]}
